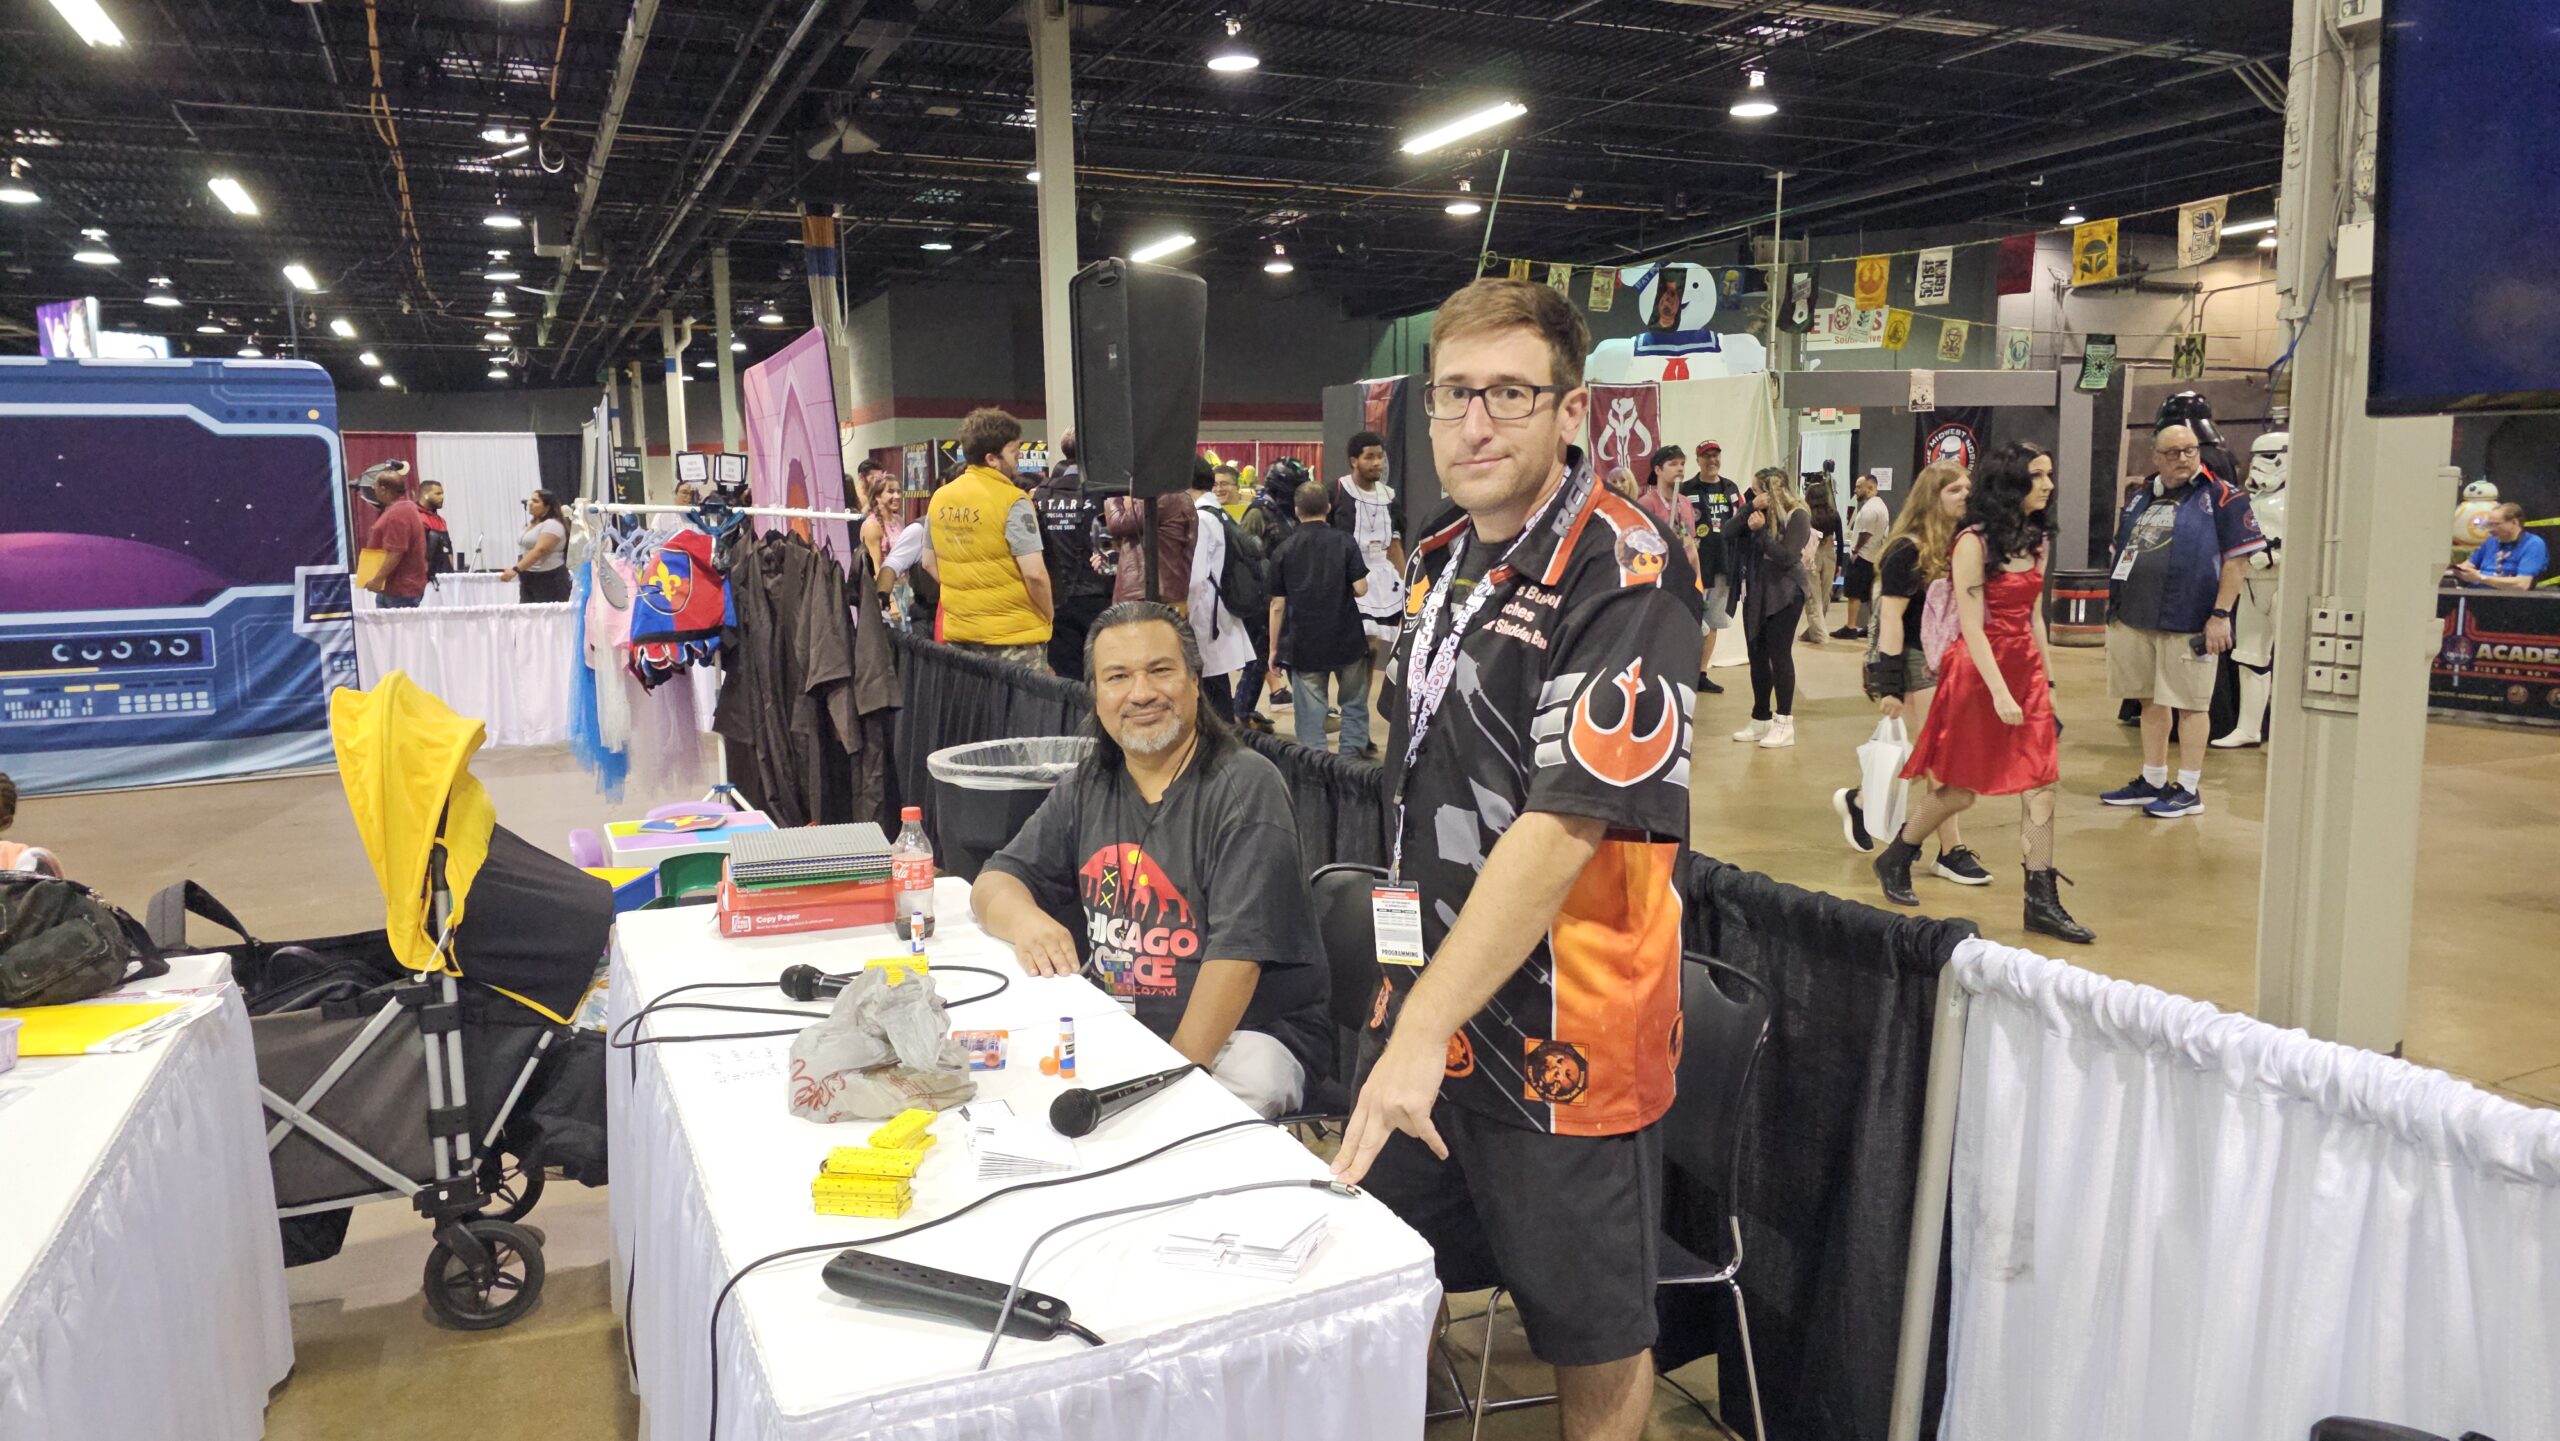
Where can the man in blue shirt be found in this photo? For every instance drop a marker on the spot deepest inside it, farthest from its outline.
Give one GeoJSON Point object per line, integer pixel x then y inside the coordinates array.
{"type": "Point", "coordinates": [2509, 559]}
{"type": "Point", "coordinates": [2182, 549]}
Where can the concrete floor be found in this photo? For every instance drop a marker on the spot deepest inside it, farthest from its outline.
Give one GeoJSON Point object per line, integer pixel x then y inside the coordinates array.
{"type": "Point", "coordinates": [2174, 904]}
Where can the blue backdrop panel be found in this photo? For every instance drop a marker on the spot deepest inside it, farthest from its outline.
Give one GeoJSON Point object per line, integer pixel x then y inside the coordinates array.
{"type": "Point", "coordinates": [173, 575]}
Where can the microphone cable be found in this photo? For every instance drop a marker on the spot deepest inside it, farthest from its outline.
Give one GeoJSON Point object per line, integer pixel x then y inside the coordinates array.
{"type": "Point", "coordinates": [666, 1001]}
{"type": "Point", "coordinates": [712, 1428]}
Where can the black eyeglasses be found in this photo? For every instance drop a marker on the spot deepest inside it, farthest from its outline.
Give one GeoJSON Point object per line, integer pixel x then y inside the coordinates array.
{"type": "Point", "coordinates": [1501, 402]}
{"type": "Point", "coordinates": [2174, 452]}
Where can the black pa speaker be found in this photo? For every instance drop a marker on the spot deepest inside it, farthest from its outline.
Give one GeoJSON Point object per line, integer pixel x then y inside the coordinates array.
{"type": "Point", "coordinates": [1139, 334]}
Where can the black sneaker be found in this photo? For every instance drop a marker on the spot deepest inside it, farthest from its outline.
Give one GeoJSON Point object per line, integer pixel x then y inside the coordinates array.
{"type": "Point", "coordinates": [1708, 686]}
{"type": "Point", "coordinates": [1961, 866]}
{"type": "Point", "coordinates": [1848, 632]}
{"type": "Point", "coordinates": [1853, 820]}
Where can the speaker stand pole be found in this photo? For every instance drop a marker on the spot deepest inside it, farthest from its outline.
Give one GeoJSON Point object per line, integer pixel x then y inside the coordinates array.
{"type": "Point", "coordinates": [1147, 538]}
{"type": "Point", "coordinates": [1053, 149]}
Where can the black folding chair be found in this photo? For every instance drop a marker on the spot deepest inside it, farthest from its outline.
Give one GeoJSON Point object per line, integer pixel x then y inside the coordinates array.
{"type": "Point", "coordinates": [1341, 896]}
{"type": "Point", "coordinates": [1724, 1025]}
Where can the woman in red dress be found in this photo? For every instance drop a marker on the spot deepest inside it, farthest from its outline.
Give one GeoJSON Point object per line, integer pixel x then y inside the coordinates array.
{"type": "Point", "coordinates": [1991, 729]}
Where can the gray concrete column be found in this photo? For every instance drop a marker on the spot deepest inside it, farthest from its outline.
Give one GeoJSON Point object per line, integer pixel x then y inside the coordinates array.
{"type": "Point", "coordinates": [1054, 149]}
{"type": "Point", "coordinates": [674, 343]}
{"type": "Point", "coordinates": [2347, 742]}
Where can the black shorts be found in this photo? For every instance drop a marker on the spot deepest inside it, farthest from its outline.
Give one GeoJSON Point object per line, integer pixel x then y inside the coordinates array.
{"type": "Point", "coordinates": [1858, 580]}
{"type": "Point", "coordinates": [1566, 1224]}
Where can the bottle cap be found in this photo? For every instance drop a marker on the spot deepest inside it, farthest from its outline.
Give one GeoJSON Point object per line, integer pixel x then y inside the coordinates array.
{"type": "Point", "coordinates": [911, 813]}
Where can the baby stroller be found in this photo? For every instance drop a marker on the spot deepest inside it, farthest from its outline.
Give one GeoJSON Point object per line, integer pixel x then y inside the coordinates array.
{"type": "Point", "coordinates": [433, 1060]}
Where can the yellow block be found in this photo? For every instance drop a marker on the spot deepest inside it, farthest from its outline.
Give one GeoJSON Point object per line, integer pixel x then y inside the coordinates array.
{"type": "Point", "coordinates": [898, 966]}
{"type": "Point", "coordinates": [866, 1161]}
{"type": "Point", "coordinates": [881, 1187]}
{"type": "Point", "coordinates": [885, 1210]}
{"type": "Point", "coordinates": [909, 1129]}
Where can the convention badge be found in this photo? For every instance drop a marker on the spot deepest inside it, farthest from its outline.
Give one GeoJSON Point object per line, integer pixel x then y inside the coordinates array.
{"type": "Point", "coordinates": [2124, 563]}
{"type": "Point", "coordinates": [1395, 912]}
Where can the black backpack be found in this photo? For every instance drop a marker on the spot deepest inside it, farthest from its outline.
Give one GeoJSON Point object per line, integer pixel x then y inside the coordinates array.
{"type": "Point", "coordinates": [61, 942]}
{"type": "Point", "coordinates": [1243, 584]}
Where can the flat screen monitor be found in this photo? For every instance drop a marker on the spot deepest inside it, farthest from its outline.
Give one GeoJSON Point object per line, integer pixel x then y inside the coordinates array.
{"type": "Point", "coordinates": [2465, 313]}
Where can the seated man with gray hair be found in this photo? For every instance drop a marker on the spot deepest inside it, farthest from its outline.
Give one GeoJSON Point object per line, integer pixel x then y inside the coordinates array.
{"type": "Point", "coordinates": [1176, 845]}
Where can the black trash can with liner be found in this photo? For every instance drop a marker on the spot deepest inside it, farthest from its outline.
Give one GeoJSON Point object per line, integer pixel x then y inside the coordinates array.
{"type": "Point", "coordinates": [983, 793]}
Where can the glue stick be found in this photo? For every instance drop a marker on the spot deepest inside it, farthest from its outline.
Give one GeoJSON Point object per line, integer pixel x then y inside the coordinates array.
{"type": "Point", "coordinates": [1067, 1048]}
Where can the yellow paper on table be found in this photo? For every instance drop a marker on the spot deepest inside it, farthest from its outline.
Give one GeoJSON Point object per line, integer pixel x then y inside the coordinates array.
{"type": "Point", "coordinates": [73, 1030]}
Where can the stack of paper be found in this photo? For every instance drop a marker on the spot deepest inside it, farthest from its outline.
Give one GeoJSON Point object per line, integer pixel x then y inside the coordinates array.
{"type": "Point", "coordinates": [809, 856]}
{"type": "Point", "coordinates": [1009, 1147]}
{"type": "Point", "coordinates": [104, 1028]}
{"type": "Point", "coordinates": [1261, 1233]}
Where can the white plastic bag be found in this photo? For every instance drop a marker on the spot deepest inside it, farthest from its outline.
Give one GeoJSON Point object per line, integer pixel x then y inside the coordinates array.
{"type": "Point", "coordinates": [884, 1048]}
{"type": "Point", "coordinates": [1883, 795]}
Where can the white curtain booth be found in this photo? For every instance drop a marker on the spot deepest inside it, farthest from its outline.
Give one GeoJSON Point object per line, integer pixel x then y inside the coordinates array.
{"type": "Point", "coordinates": [2169, 1221]}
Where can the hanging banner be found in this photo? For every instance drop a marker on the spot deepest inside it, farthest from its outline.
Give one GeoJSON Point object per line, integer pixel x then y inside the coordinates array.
{"type": "Point", "coordinates": [2200, 229]}
{"type": "Point", "coordinates": [1519, 269]}
{"type": "Point", "coordinates": [1897, 329]}
{"type": "Point", "coordinates": [2017, 348]}
{"type": "Point", "coordinates": [2015, 272]}
{"type": "Point", "coordinates": [2186, 362]}
{"type": "Point", "coordinates": [1604, 288]}
{"type": "Point", "coordinates": [2093, 252]}
{"type": "Point", "coordinates": [1934, 283]}
{"type": "Point", "coordinates": [1873, 272]}
{"type": "Point", "coordinates": [1956, 435]}
{"type": "Point", "coordinates": [1924, 390]}
{"type": "Point", "coordinates": [2097, 363]}
{"type": "Point", "coordinates": [1866, 327]}
{"type": "Point", "coordinates": [794, 454]}
{"type": "Point", "coordinates": [1560, 278]}
{"type": "Point", "coordinates": [1952, 337]}
{"type": "Point", "coordinates": [1801, 305]}
{"type": "Point", "coordinates": [1626, 428]}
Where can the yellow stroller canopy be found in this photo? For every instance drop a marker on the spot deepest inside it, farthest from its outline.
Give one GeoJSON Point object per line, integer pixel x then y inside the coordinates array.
{"type": "Point", "coordinates": [404, 758]}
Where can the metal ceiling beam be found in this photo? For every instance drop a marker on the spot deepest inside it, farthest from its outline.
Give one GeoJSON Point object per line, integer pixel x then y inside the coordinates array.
{"type": "Point", "coordinates": [626, 69]}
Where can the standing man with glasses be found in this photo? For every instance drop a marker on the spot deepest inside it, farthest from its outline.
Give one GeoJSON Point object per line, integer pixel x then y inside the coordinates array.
{"type": "Point", "coordinates": [2182, 551]}
{"type": "Point", "coordinates": [1522, 1045]}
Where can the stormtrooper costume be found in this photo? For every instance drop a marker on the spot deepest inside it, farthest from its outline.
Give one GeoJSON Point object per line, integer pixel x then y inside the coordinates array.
{"type": "Point", "coordinates": [2253, 621]}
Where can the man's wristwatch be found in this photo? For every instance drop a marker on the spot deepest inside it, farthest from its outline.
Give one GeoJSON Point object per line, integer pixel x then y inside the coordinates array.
{"type": "Point", "coordinates": [2219, 614]}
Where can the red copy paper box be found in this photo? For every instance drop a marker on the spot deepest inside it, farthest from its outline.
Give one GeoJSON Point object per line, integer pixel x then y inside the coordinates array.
{"type": "Point", "coordinates": [805, 908]}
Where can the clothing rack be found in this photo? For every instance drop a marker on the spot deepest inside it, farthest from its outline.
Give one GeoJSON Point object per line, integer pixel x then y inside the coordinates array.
{"type": "Point", "coordinates": [786, 512]}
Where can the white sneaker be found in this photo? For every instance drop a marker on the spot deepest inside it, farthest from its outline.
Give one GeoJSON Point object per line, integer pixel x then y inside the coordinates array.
{"type": "Point", "coordinates": [1752, 732]}
{"type": "Point", "coordinates": [1782, 733]}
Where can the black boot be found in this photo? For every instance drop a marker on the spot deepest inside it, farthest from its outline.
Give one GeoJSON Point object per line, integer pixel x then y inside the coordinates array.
{"type": "Point", "coordinates": [2045, 915]}
{"type": "Point", "coordinates": [1893, 869]}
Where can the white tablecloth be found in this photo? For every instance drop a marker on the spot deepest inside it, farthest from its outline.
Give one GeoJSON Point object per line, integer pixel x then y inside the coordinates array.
{"type": "Point", "coordinates": [711, 1171]}
{"type": "Point", "coordinates": [141, 1278]}
{"type": "Point", "coordinates": [504, 665]}
{"type": "Point", "coordinates": [453, 589]}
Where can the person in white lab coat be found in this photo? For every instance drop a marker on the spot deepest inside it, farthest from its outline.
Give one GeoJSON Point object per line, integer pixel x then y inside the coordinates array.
{"type": "Point", "coordinates": [1226, 647]}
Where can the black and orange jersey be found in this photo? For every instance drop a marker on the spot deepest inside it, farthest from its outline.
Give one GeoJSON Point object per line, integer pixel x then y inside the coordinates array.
{"type": "Point", "coordinates": [1572, 694]}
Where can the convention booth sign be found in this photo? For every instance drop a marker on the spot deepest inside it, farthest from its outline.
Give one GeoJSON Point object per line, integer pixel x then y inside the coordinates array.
{"type": "Point", "coordinates": [2500, 655]}
{"type": "Point", "coordinates": [174, 601]}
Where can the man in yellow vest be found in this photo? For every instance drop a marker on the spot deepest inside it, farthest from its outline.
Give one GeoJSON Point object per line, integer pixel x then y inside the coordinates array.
{"type": "Point", "coordinates": [983, 544]}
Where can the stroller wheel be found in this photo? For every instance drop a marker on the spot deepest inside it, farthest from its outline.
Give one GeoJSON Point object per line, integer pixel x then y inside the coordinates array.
{"type": "Point", "coordinates": [496, 1294]}
{"type": "Point", "coordinates": [512, 1180]}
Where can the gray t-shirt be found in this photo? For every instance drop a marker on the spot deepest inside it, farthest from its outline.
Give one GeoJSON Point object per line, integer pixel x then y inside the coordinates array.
{"type": "Point", "coordinates": [1022, 528]}
{"type": "Point", "coordinates": [1210, 872]}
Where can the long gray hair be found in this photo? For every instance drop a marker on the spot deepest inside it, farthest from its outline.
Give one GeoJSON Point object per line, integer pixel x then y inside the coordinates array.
{"type": "Point", "coordinates": [1209, 727]}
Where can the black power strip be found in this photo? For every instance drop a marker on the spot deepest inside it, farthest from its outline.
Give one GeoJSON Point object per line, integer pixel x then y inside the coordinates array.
{"type": "Point", "coordinates": [909, 1288]}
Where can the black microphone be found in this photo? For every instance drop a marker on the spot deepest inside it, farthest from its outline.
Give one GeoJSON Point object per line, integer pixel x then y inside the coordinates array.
{"type": "Point", "coordinates": [1078, 1111]}
{"type": "Point", "coordinates": [808, 983]}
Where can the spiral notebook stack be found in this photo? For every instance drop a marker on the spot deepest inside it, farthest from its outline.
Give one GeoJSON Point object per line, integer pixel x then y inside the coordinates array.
{"type": "Point", "coordinates": [809, 856]}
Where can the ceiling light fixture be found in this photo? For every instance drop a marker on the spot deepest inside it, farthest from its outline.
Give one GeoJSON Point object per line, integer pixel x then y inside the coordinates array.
{"type": "Point", "coordinates": [500, 311]}
{"type": "Point", "coordinates": [1279, 263]}
{"type": "Point", "coordinates": [94, 255]}
{"type": "Point", "coordinates": [233, 195]}
{"type": "Point", "coordinates": [1466, 203]}
{"type": "Point", "coordinates": [369, 360]}
{"type": "Point", "coordinates": [1232, 58]}
{"type": "Point", "coordinates": [252, 352]}
{"type": "Point", "coordinates": [1173, 244]}
{"type": "Point", "coordinates": [935, 245]}
{"type": "Point", "coordinates": [388, 382]}
{"type": "Point", "coordinates": [2250, 227]}
{"type": "Point", "coordinates": [501, 220]}
{"type": "Point", "coordinates": [1756, 103]}
{"type": "Point", "coordinates": [2269, 243]}
{"type": "Point", "coordinates": [706, 365]}
{"type": "Point", "coordinates": [769, 316]}
{"type": "Point", "coordinates": [343, 328]}
{"type": "Point", "coordinates": [2071, 216]}
{"type": "Point", "coordinates": [1464, 126]}
{"type": "Point", "coordinates": [208, 328]}
{"type": "Point", "coordinates": [498, 133]}
{"type": "Point", "coordinates": [162, 299]}
{"type": "Point", "coordinates": [497, 372]}
{"type": "Point", "coordinates": [301, 276]}
{"type": "Point", "coordinates": [497, 337]}
{"type": "Point", "coordinates": [89, 21]}
{"type": "Point", "coordinates": [1031, 175]}
{"type": "Point", "coordinates": [16, 191]}
{"type": "Point", "coordinates": [502, 276]}
{"type": "Point", "coordinates": [737, 345]}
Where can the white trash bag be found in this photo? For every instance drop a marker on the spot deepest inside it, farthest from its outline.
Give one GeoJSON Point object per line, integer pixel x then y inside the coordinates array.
{"type": "Point", "coordinates": [1883, 795]}
{"type": "Point", "coordinates": [885, 1047]}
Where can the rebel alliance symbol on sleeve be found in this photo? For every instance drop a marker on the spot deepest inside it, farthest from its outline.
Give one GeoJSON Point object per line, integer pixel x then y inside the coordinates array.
{"type": "Point", "coordinates": [1615, 753]}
